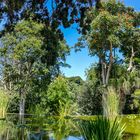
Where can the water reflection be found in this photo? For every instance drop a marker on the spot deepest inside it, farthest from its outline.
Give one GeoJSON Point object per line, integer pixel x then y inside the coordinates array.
{"type": "Point", "coordinates": [37, 128]}
{"type": "Point", "coordinates": [51, 128]}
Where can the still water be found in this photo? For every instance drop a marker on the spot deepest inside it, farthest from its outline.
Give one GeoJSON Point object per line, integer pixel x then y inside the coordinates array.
{"type": "Point", "coordinates": [55, 128]}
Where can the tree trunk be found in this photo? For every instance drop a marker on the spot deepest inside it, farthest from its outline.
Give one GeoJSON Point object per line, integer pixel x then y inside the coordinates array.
{"type": "Point", "coordinates": [103, 73]}
{"type": "Point", "coordinates": [110, 64]}
{"type": "Point", "coordinates": [22, 113]}
{"type": "Point", "coordinates": [106, 68]}
{"type": "Point", "coordinates": [22, 105]}
{"type": "Point", "coordinates": [131, 60]}
{"type": "Point", "coordinates": [22, 97]}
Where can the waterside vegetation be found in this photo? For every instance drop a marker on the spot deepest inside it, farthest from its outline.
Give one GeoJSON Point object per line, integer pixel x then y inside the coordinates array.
{"type": "Point", "coordinates": [33, 50]}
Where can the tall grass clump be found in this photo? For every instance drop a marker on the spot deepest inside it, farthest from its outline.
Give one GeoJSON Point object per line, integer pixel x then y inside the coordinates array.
{"type": "Point", "coordinates": [108, 126]}
{"type": "Point", "coordinates": [4, 99]}
{"type": "Point", "coordinates": [110, 103]}
{"type": "Point", "coordinates": [102, 129]}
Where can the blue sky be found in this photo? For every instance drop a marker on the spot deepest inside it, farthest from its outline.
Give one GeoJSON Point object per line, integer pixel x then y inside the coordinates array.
{"type": "Point", "coordinates": [80, 61]}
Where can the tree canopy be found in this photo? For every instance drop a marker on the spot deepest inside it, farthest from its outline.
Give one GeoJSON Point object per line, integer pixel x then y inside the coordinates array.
{"type": "Point", "coordinates": [29, 61]}
{"type": "Point", "coordinates": [108, 28]}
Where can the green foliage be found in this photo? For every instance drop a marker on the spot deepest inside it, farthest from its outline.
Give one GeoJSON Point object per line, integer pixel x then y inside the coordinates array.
{"type": "Point", "coordinates": [58, 92]}
{"type": "Point", "coordinates": [106, 26]}
{"type": "Point", "coordinates": [137, 92]}
{"type": "Point", "coordinates": [13, 106]}
{"type": "Point", "coordinates": [131, 39]}
{"type": "Point", "coordinates": [58, 89]}
{"type": "Point", "coordinates": [75, 84]}
{"type": "Point", "coordinates": [129, 85]}
{"type": "Point", "coordinates": [4, 102]}
{"type": "Point", "coordinates": [90, 100]}
{"type": "Point", "coordinates": [33, 49]}
{"type": "Point", "coordinates": [112, 28]}
{"type": "Point", "coordinates": [109, 31]}
{"type": "Point", "coordinates": [22, 51]}
{"type": "Point", "coordinates": [132, 104]}
{"type": "Point", "coordinates": [31, 56]}
{"type": "Point", "coordinates": [102, 129]}
{"type": "Point", "coordinates": [63, 13]}
{"type": "Point", "coordinates": [67, 110]}
{"type": "Point", "coordinates": [90, 96]}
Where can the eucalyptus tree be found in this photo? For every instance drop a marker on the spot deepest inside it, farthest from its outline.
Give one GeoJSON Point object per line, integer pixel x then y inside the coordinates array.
{"type": "Point", "coordinates": [105, 34]}
{"type": "Point", "coordinates": [29, 60]}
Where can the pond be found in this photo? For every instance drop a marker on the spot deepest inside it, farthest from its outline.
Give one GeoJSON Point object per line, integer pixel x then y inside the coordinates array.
{"type": "Point", "coordinates": [56, 128]}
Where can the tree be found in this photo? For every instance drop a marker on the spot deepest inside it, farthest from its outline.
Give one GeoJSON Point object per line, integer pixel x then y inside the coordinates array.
{"type": "Point", "coordinates": [29, 60]}
{"type": "Point", "coordinates": [58, 94]}
{"type": "Point", "coordinates": [104, 35]}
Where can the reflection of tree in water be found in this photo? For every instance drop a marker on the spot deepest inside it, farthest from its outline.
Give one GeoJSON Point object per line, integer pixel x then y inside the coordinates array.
{"type": "Point", "coordinates": [36, 128]}
{"type": "Point", "coordinates": [37, 136]}
{"type": "Point", "coordinates": [50, 128]}
{"type": "Point", "coordinates": [29, 133]}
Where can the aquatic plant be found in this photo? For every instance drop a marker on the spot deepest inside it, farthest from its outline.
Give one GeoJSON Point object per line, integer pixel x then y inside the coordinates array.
{"type": "Point", "coordinates": [102, 129]}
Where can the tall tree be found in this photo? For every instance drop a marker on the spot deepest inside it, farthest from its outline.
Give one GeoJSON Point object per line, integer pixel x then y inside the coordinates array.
{"type": "Point", "coordinates": [104, 35]}
{"type": "Point", "coordinates": [28, 60]}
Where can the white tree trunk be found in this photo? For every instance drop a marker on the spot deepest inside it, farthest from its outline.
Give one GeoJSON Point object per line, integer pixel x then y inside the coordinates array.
{"type": "Point", "coordinates": [131, 60]}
